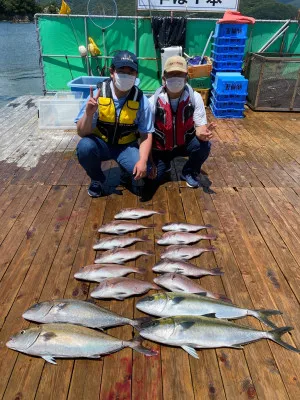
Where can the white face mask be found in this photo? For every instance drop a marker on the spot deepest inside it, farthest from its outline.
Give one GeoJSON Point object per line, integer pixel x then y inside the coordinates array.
{"type": "Point", "coordinates": [124, 82]}
{"type": "Point", "coordinates": [175, 84]}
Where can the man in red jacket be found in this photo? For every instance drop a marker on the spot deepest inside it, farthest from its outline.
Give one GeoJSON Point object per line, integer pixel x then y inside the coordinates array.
{"type": "Point", "coordinates": [180, 125]}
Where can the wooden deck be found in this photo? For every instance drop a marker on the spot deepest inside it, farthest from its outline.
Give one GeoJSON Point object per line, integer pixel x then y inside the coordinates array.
{"type": "Point", "coordinates": [48, 224]}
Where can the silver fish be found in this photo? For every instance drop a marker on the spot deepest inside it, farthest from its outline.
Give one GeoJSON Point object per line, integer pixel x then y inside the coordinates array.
{"type": "Point", "coordinates": [170, 238]}
{"type": "Point", "coordinates": [77, 312]}
{"type": "Point", "coordinates": [120, 227]}
{"type": "Point", "coordinates": [184, 227]}
{"type": "Point", "coordinates": [116, 242]}
{"type": "Point", "coordinates": [135, 213]}
{"type": "Point", "coordinates": [178, 303]}
{"type": "Point", "coordinates": [120, 288]}
{"type": "Point", "coordinates": [99, 272]}
{"type": "Point", "coordinates": [184, 268]}
{"type": "Point", "coordinates": [69, 341]}
{"type": "Point", "coordinates": [184, 252]}
{"type": "Point", "coordinates": [180, 283]}
{"type": "Point", "coordinates": [119, 256]}
{"type": "Point", "coordinates": [192, 333]}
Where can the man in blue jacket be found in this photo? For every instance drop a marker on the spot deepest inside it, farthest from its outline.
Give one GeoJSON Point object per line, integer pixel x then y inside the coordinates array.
{"type": "Point", "coordinates": [110, 122]}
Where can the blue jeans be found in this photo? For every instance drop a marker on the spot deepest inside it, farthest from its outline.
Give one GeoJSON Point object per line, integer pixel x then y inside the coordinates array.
{"type": "Point", "coordinates": [91, 151]}
{"type": "Point", "coordinates": [197, 151]}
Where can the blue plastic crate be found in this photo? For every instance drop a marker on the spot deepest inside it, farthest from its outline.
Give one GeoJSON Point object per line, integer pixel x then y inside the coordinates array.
{"type": "Point", "coordinates": [230, 103]}
{"type": "Point", "coordinates": [231, 30]}
{"type": "Point", "coordinates": [227, 65]}
{"type": "Point", "coordinates": [228, 49]}
{"type": "Point", "coordinates": [83, 84]}
{"type": "Point", "coordinates": [229, 96]}
{"type": "Point", "coordinates": [226, 113]}
{"type": "Point", "coordinates": [223, 41]}
{"type": "Point", "coordinates": [227, 57]}
{"type": "Point", "coordinates": [230, 82]}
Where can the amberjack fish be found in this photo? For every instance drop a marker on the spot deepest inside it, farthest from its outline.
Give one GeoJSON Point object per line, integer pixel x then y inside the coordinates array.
{"type": "Point", "coordinates": [51, 341]}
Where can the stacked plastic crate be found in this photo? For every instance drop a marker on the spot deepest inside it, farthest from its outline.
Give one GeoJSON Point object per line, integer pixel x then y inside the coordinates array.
{"type": "Point", "coordinates": [229, 86]}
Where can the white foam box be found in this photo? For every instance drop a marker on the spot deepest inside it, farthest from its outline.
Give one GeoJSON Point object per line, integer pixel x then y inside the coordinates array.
{"type": "Point", "coordinates": [57, 113]}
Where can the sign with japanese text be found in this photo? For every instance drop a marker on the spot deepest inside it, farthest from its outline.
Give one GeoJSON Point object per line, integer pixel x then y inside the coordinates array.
{"type": "Point", "coordinates": [188, 5]}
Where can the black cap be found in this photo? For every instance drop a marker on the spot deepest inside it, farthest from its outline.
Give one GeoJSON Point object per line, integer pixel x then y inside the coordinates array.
{"type": "Point", "coordinates": [125, 58]}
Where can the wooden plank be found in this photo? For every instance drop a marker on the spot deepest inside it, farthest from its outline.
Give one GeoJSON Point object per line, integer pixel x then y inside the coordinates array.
{"type": "Point", "coordinates": [279, 249]}
{"type": "Point", "coordinates": [284, 224]}
{"type": "Point", "coordinates": [55, 382]}
{"type": "Point", "coordinates": [259, 263]}
{"type": "Point", "coordinates": [176, 371]}
{"type": "Point", "coordinates": [11, 214]}
{"type": "Point", "coordinates": [7, 196]}
{"type": "Point", "coordinates": [146, 371]}
{"type": "Point", "coordinates": [86, 370]}
{"type": "Point", "coordinates": [117, 368]}
{"type": "Point", "coordinates": [14, 238]}
{"type": "Point", "coordinates": [207, 382]}
{"type": "Point", "coordinates": [243, 292]}
{"type": "Point", "coordinates": [28, 271]}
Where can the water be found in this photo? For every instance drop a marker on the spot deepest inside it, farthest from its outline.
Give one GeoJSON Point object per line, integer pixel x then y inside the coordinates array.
{"type": "Point", "coordinates": [20, 73]}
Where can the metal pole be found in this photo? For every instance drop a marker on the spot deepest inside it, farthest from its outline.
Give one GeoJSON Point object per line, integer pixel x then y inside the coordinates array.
{"type": "Point", "coordinates": [274, 36]}
{"type": "Point", "coordinates": [86, 45]}
{"type": "Point", "coordinates": [37, 29]}
{"type": "Point", "coordinates": [274, 39]}
{"type": "Point", "coordinates": [295, 91]}
{"type": "Point", "coordinates": [259, 84]}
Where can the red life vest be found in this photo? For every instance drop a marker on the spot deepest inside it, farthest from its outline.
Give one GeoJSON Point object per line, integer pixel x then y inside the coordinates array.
{"type": "Point", "coordinates": [172, 128]}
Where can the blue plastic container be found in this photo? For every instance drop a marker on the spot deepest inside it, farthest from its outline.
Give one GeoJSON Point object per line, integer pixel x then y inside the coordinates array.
{"type": "Point", "coordinates": [231, 30]}
{"type": "Point", "coordinates": [83, 84]}
{"type": "Point", "coordinates": [223, 41]}
{"type": "Point", "coordinates": [230, 83]}
{"type": "Point", "coordinates": [228, 49]}
{"type": "Point", "coordinates": [238, 57]}
{"type": "Point", "coordinates": [227, 65]}
{"type": "Point", "coordinates": [229, 96]}
{"type": "Point", "coordinates": [226, 113]}
{"type": "Point", "coordinates": [230, 103]}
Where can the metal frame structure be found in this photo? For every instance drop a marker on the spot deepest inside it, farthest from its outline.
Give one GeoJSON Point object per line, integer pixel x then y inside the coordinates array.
{"type": "Point", "coordinates": [253, 103]}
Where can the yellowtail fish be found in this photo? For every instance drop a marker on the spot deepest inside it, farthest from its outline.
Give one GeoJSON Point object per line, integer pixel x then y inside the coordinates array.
{"type": "Point", "coordinates": [191, 333]}
{"type": "Point", "coordinates": [178, 303]}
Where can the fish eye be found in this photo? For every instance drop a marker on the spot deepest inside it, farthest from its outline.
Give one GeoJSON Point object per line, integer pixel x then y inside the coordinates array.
{"type": "Point", "coordinates": [22, 332]}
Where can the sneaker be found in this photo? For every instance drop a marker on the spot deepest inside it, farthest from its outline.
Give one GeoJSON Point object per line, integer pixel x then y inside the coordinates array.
{"type": "Point", "coordinates": [190, 179]}
{"type": "Point", "coordinates": [95, 189]}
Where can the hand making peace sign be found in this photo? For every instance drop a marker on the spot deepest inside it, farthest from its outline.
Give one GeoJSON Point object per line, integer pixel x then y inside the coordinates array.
{"type": "Point", "coordinates": [92, 104]}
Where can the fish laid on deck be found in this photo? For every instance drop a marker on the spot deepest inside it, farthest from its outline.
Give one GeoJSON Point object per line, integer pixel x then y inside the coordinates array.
{"type": "Point", "coordinates": [99, 272]}
{"type": "Point", "coordinates": [121, 227]}
{"type": "Point", "coordinates": [184, 268]}
{"type": "Point", "coordinates": [184, 252]}
{"type": "Point", "coordinates": [135, 213]}
{"type": "Point", "coordinates": [116, 242]}
{"type": "Point", "coordinates": [192, 333]}
{"type": "Point", "coordinates": [173, 304]}
{"type": "Point", "coordinates": [170, 238]}
{"type": "Point", "coordinates": [52, 341]}
{"type": "Point", "coordinates": [120, 288]}
{"type": "Point", "coordinates": [184, 227]}
{"type": "Point", "coordinates": [119, 256]}
{"type": "Point", "coordinates": [180, 283]}
{"type": "Point", "coordinates": [77, 312]}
